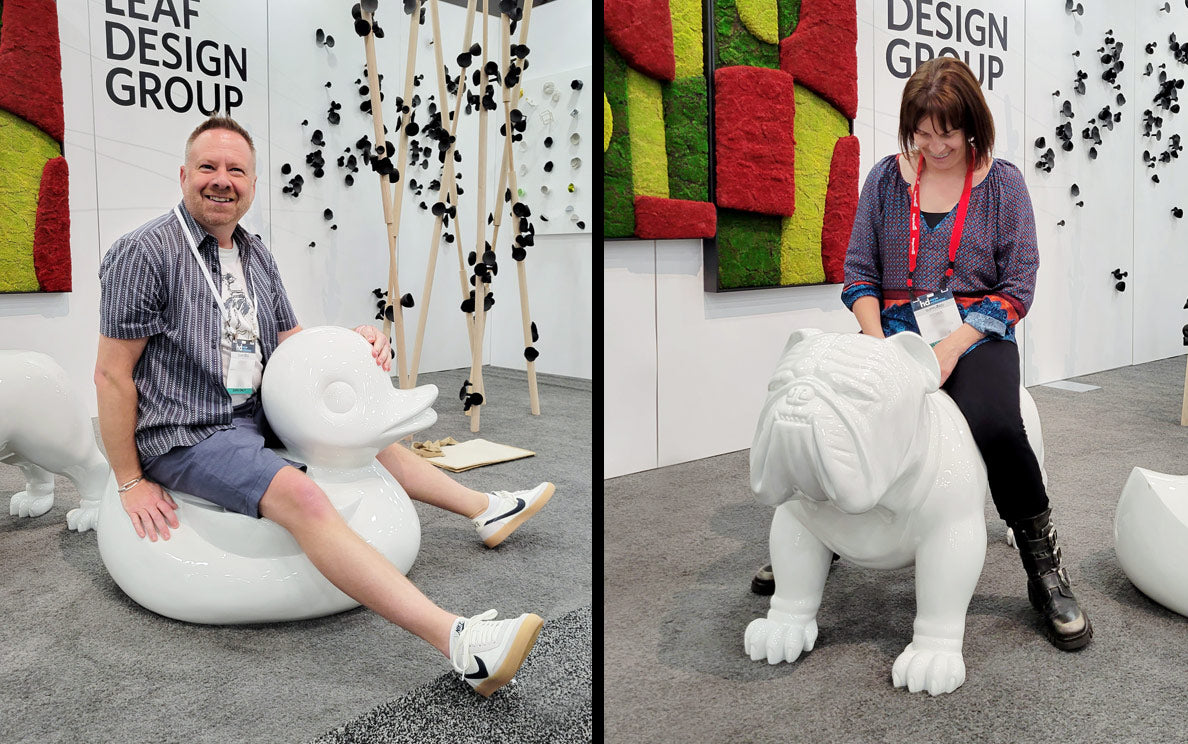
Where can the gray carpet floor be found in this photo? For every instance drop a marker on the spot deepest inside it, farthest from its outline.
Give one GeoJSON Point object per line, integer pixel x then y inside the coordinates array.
{"type": "Point", "coordinates": [682, 543]}
{"type": "Point", "coordinates": [80, 662]}
{"type": "Point", "coordinates": [543, 704]}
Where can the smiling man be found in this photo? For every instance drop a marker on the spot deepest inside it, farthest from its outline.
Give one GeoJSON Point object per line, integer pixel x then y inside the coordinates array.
{"type": "Point", "coordinates": [192, 307]}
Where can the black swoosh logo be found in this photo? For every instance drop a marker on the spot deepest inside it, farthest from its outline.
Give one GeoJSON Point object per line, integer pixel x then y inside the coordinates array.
{"type": "Point", "coordinates": [482, 670]}
{"type": "Point", "coordinates": [520, 504]}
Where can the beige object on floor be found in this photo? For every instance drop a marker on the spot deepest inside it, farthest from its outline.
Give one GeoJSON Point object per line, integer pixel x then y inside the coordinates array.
{"type": "Point", "coordinates": [432, 449]}
{"type": "Point", "coordinates": [476, 453]}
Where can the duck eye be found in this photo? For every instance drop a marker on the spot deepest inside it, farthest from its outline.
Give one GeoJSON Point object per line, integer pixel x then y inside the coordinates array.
{"type": "Point", "coordinates": [339, 396]}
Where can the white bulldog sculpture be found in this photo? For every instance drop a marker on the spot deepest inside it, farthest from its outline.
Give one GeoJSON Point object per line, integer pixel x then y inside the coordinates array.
{"type": "Point", "coordinates": [864, 456]}
{"type": "Point", "coordinates": [44, 430]}
{"type": "Point", "coordinates": [334, 409]}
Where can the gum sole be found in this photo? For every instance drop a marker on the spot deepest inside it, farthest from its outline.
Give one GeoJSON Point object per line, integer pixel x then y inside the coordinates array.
{"type": "Point", "coordinates": [524, 641]}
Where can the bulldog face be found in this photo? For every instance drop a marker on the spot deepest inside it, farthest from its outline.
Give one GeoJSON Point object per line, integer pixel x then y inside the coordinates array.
{"type": "Point", "coordinates": [840, 417]}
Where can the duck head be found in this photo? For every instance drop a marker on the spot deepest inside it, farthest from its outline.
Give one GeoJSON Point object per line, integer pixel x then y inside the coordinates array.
{"type": "Point", "coordinates": [332, 405]}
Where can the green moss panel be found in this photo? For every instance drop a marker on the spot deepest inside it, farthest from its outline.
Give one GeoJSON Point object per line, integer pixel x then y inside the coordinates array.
{"type": "Point", "coordinates": [618, 219]}
{"type": "Point", "coordinates": [736, 45]}
{"type": "Point", "coordinates": [686, 138]}
{"type": "Point", "coordinates": [787, 16]}
{"type": "Point", "coordinates": [748, 249]}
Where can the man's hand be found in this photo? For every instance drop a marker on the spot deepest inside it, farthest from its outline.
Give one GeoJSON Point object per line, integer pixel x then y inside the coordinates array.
{"type": "Point", "coordinates": [381, 349]}
{"type": "Point", "coordinates": [150, 508]}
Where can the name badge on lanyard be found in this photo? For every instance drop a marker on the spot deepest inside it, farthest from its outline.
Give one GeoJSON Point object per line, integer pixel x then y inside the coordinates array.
{"type": "Point", "coordinates": [240, 371]}
{"type": "Point", "coordinates": [936, 313]}
{"type": "Point", "coordinates": [242, 367]}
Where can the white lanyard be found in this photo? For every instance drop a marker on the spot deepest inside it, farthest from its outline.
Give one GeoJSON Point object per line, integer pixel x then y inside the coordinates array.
{"type": "Point", "coordinates": [206, 272]}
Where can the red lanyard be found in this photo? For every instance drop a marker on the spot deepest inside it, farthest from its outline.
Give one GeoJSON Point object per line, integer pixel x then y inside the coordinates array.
{"type": "Point", "coordinates": [958, 224]}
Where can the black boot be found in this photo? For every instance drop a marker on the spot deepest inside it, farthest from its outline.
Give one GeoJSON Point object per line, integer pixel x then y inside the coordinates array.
{"type": "Point", "coordinates": [1048, 587]}
{"type": "Point", "coordinates": [764, 582]}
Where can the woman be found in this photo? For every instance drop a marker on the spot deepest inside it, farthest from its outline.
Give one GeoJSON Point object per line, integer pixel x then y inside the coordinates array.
{"type": "Point", "coordinates": [946, 222]}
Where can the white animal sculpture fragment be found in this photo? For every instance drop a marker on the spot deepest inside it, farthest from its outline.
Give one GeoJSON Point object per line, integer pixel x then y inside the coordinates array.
{"type": "Point", "coordinates": [1151, 536]}
{"type": "Point", "coordinates": [44, 430]}
{"type": "Point", "coordinates": [334, 409]}
{"type": "Point", "coordinates": [865, 457]}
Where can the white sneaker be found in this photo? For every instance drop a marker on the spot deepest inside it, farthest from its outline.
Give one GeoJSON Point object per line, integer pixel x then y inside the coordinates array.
{"type": "Point", "coordinates": [488, 653]}
{"type": "Point", "coordinates": [512, 510]}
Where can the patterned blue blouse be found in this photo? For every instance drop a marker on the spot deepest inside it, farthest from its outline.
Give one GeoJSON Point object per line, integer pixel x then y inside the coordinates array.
{"type": "Point", "coordinates": [994, 277]}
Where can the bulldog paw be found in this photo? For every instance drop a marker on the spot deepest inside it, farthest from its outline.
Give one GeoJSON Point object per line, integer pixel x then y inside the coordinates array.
{"type": "Point", "coordinates": [25, 505]}
{"type": "Point", "coordinates": [779, 637]}
{"type": "Point", "coordinates": [935, 670]}
{"type": "Point", "coordinates": [85, 517]}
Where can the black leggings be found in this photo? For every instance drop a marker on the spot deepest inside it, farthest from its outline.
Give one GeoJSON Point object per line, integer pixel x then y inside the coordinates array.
{"type": "Point", "coordinates": [985, 386]}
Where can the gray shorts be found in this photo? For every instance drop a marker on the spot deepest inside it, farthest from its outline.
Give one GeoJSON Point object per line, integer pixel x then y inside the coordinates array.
{"type": "Point", "coordinates": [231, 468]}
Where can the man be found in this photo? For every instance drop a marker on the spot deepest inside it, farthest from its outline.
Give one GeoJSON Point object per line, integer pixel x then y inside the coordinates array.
{"type": "Point", "coordinates": [192, 308]}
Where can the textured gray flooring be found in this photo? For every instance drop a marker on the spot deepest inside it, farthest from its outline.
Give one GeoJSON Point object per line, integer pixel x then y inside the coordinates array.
{"type": "Point", "coordinates": [548, 702]}
{"type": "Point", "coordinates": [80, 662]}
{"type": "Point", "coordinates": [683, 542]}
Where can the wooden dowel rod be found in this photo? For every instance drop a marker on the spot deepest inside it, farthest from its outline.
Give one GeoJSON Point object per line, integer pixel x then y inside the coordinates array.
{"type": "Point", "coordinates": [389, 218]}
{"type": "Point", "coordinates": [476, 368]}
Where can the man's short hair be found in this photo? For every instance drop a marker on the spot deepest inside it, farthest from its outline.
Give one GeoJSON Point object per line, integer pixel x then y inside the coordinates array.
{"type": "Point", "coordinates": [219, 122]}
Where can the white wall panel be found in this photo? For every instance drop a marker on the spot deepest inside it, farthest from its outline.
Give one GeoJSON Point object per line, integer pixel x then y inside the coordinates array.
{"type": "Point", "coordinates": [332, 282]}
{"type": "Point", "coordinates": [629, 350]}
{"type": "Point", "coordinates": [1160, 270]}
{"type": "Point", "coordinates": [716, 351]}
{"type": "Point", "coordinates": [140, 145]}
{"type": "Point", "coordinates": [1079, 323]}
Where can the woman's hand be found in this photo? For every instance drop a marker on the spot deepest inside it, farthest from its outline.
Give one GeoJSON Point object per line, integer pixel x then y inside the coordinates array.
{"type": "Point", "coordinates": [949, 349]}
{"type": "Point", "coordinates": [947, 353]}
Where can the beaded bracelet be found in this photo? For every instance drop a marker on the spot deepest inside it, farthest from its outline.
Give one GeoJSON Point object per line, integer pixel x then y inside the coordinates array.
{"type": "Point", "coordinates": [130, 484]}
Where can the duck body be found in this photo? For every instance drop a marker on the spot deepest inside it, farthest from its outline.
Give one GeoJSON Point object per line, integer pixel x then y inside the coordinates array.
{"type": "Point", "coordinates": [334, 409]}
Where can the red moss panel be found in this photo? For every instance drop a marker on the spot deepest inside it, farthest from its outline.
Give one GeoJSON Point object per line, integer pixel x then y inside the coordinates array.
{"type": "Point", "coordinates": [841, 202]}
{"type": "Point", "coordinates": [31, 64]}
{"type": "Point", "coordinates": [641, 31]}
{"type": "Point", "coordinates": [754, 114]}
{"type": "Point", "coordinates": [822, 52]}
{"type": "Point", "coordinates": [51, 237]}
{"type": "Point", "coordinates": [661, 219]}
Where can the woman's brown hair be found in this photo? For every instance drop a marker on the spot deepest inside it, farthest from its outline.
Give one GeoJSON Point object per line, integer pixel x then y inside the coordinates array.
{"type": "Point", "coordinates": [945, 90]}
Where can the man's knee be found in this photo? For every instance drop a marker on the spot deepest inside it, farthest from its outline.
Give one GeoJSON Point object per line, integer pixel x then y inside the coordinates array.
{"type": "Point", "coordinates": [293, 495]}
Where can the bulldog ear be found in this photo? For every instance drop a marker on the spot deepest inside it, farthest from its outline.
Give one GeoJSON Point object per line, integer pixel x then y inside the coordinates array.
{"type": "Point", "coordinates": [800, 334]}
{"type": "Point", "coordinates": [913, 346]}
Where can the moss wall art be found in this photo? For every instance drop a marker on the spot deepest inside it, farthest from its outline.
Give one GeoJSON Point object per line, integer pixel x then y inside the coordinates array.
{"type": "Point", "coordinates": [772, 185]}
{"type": "Point", "coordinates": [34, 208]}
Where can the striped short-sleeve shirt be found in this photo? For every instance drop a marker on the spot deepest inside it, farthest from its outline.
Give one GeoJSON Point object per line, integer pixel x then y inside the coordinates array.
{"type": "Point", "coordinates": [151, 287]}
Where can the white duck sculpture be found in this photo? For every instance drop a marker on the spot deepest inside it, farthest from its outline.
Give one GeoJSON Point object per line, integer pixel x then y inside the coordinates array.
{"type": "Point", "coordinates": [334, 409]}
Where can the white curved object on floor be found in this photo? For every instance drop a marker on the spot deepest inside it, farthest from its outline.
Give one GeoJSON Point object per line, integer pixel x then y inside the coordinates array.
{"type": "Point", "coordinates": [44, 430]}
{"type": "Point", "coordinates": [1151, 536]}
{"type": "Point", "coordinates": [334, 409]}
{"type": "Point", "coordinates": [865, 457]}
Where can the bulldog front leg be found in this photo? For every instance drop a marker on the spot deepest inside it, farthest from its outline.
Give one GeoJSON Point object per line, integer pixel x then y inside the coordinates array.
{"type": "Point", "coordinates": [800, 563]}
{"type": "Point", "coordinates": [948, 564]}
{"type": "Point", "coordinates": [38, 496]}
